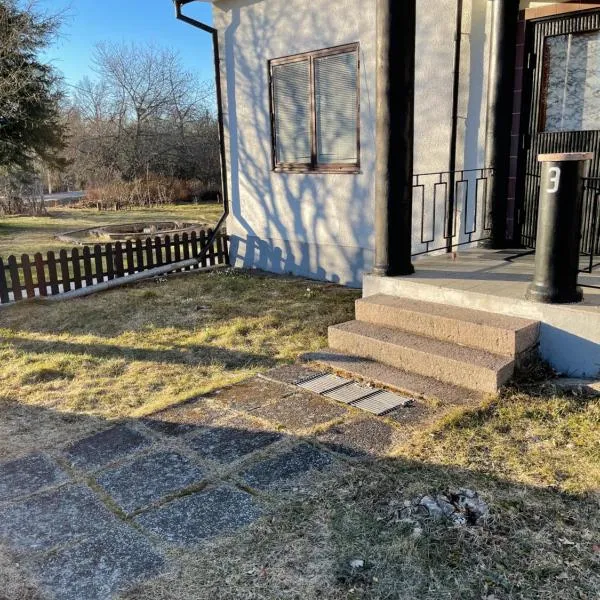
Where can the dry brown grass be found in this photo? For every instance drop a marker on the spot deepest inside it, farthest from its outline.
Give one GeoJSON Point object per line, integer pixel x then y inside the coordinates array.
{"type": "Point", "coordinates": [31, 234]}
{"type": "Point", "coordinates": [132, 351]}
{"type": "Point", "coordinates": [539, 543]}
{"type": "Point", "coordinates": [534, 458]}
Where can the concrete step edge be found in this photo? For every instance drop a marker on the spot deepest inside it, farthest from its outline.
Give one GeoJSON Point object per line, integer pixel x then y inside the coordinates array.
{"type": "Point", "coordinates": [382, 375]}
{"type": "Point", "coordinates": [476, 329]}
{"type": "Point", "coordinates": [451, 363]}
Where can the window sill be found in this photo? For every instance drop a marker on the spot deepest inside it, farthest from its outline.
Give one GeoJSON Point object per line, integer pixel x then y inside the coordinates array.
{"type": "Point", "coordinates": [345, 170]}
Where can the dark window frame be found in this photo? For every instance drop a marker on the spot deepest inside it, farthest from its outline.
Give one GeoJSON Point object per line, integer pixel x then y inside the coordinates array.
{"type": "Point", "coordinates": [314, 166]}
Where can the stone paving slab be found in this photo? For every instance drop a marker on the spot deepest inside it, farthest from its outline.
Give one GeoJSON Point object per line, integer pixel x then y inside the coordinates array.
{"type": "Point", "coordinates": [149, 479]}
{"type": "Point", "coordinates": [28, 475]}
{"type": "Point", "coordinates": [279, 469]}
{"type": "Point", "coordinates": [232, 440]}
{"type": "Point", "coordinates": [48, 519]}
{"type": "Point", "coordinates": [363, 437]}
{"type": "Point", "coordinates": [251, 394]}
{"type": "Point", "coordinates": [189, 520]}
{"type": "Point", "coordinates": [290, 374]}
{"type": "Point", "coordinates": [98, 567]}
{"type": "Point", "coordinates": [186, 418]}
{"type": "Point", "coordinates": [301, 410]}
{"type": "Point", "coordinates": [105, 447]}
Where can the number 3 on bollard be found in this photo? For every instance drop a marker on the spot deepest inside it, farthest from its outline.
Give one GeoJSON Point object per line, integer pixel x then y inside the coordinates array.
{"type": "Point", "coordinates": [554, 177]}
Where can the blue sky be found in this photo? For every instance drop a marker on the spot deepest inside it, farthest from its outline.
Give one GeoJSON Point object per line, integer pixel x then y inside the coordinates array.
{"type": "Point", "coordinates": [88, 22]}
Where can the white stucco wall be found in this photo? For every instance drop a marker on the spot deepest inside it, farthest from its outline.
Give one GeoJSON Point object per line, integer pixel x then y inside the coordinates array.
{"type": "Point", "coordinates": [321, 226]}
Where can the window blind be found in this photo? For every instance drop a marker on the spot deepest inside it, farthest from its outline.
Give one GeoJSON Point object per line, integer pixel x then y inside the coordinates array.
{"type": "Point", "coordinates": [336, 88]}
{"type": "Point", "coordinates": [291, 89]}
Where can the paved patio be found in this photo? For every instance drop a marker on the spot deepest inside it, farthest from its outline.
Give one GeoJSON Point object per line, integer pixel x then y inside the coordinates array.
{"type": "Point", "coordinates": [90, 519]}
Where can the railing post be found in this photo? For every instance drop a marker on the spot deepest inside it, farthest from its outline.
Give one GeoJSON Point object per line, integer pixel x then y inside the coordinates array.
{"type": "Point", "coordinates": [559, 228]}
{"type": "Point", "coordinates": [396, 30]}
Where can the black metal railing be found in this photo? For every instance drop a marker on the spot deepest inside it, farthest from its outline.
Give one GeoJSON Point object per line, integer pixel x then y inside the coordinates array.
{"type": "Point", "coordinates": [590, 225]}
{"type": "Point", "coordinates": [450, 209]}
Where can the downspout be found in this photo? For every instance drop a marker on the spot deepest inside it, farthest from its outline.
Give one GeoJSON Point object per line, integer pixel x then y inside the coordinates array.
{"type": "Point", "coordinates": [499, 112]}
{"type": "Point", "coordinates": [450, 224]}
{"type": "Point", "coordinates": [223, 153]}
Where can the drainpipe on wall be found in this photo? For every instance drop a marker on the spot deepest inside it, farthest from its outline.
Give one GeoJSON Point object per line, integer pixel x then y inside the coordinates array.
{"type": "Point", "coordinates": [396, 31]}
{"type": "Point", "coordinates": [223, 155]}
{"type": "Point", "coordinates": [450, 223]}
{"type": "Point", "coordinates": [499, 112]}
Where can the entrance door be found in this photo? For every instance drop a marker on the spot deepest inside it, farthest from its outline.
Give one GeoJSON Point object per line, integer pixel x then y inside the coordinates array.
{"type": "Point", "coordinates": [563, 112]}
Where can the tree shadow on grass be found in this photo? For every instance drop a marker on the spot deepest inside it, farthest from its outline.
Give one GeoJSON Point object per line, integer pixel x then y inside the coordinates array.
{"type": "Point", "coordinates": [191, 354]}
{"type": "Point", "coordinates": [537, 542]}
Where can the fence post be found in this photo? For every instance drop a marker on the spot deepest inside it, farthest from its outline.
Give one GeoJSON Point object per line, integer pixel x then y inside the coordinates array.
{"type": "Point", "coordinates": [41, 274]}
{"type": "Point", "coordinates": [139, 255]}
{"type": "Point", "coordinates": [219, 243]}
{"type": "Point", "coordinates": [4, 297]}
{"type": "Point", "coordinates": [119, 269]}
{"type": "Point", "coordinates": [211, 250]}
{"type": "Point", "coordinates": [129, 253]}
{"type": "Point", "coordinates": [87, 266]}
{"type": "Point", "coordinates": [76, 268]}
{"type": "Point", "coordinates": [149, 257]}
{"type": "Point", "coordinates": [226, 245]}
{"type": "Point", "coordinates": [27, 276]}
{"type": "Point", "coordinates": [98, 263]}
{"type": "Point", "coordinates": [186, 249]}
{"type": "Point", "coordinates": [177, 247]}
{"type": "Point", "coordinates": [110, 269]}
{"type": "Point", "coordinates": [52, 273]}
{"type": "Point", "coordinates": [14, 277]}
{"type": "Point", "coordinates": [202, 246]}
{"type": "Point", "coordinates": [168, 249]}
{"type": "Point", "coordinates": [158, 251]}
{"type": "Point", "coordinates": [64, 270]}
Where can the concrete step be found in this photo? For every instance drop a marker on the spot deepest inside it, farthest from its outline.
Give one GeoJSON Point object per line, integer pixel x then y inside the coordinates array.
{"type": "Point", "coordinates": [499, 334]}
{"type": "Point", "coordinates": [381, 375]}
{"type": "Point", "coordinates": [459, 365]}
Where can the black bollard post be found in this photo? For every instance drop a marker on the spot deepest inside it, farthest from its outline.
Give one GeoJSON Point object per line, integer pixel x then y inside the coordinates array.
{"type": "Point", "coordinates": [559, 228]}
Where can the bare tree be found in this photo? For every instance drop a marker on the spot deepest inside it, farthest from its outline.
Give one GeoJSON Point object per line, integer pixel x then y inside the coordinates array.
{"type": "Point", "coordinates": [144, 115]}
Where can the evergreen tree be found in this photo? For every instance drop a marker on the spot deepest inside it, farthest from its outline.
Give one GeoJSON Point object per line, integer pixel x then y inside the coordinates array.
{"type": "Point", "coordinates": [31, 127]}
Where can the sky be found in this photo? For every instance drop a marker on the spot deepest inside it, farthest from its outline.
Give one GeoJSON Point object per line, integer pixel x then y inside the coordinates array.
{"type": "Point", "coordinates": [88, 22]}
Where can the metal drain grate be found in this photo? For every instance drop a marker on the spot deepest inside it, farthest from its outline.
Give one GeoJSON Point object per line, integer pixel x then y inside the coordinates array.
{"type": "Point", "coordinates": [323, 383]}
{"type": "Point", "coordinates": [382, 403]}
{"type": "Point", "coordinates": [350, 393]}
{"type": "Point", "coordinates": [305, 379]}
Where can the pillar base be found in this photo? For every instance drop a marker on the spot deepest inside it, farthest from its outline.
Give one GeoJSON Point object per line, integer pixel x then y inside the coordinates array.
{"type": "Point", "coordinates": [380, 271]}
{"type": "Point", "coordinates": [550, 295]}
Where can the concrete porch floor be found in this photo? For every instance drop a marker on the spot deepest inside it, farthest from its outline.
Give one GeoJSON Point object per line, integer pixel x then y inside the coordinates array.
{"type": "Point", "coordinates": [496, 281]}
{"type": "Point", "coordinates": [498, 272]}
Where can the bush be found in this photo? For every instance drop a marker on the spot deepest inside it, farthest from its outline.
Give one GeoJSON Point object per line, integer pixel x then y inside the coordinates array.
{"type": "Point", "coordinates": [21, 194]}
{"type": "Point", "coordinates": [148, 191]}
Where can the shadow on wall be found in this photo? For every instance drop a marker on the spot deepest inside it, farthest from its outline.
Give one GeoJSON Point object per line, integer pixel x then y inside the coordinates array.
{"type": "Point", "coordinates": [318, 226]}
{"type": "Point", "coordinates": [322, 226]}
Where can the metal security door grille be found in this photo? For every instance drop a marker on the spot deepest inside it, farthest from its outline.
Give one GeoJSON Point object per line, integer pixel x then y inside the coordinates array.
{"type": "Point", "coordinates": [552, 43]}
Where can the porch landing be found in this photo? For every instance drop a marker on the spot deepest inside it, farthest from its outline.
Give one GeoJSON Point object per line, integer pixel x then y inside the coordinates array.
{"type": "Point", "coordinates": [496, 281]}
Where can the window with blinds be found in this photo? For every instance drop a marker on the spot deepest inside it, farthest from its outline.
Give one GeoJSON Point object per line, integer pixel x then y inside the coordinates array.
{"type": "Point", "coordinates": [315, 111]}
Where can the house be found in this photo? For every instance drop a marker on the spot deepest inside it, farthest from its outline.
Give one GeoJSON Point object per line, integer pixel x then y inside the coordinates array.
{"type": "Point", "coordinates": [330, 176]}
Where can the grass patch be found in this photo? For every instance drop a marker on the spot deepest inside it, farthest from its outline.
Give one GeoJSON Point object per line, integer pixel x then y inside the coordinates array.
{"type": "Point", "coordinates": [533, 457]}
{"type": "Point", "coordinates": [29, 235]}
{"type": "Point", "coordinates": [162, 343]}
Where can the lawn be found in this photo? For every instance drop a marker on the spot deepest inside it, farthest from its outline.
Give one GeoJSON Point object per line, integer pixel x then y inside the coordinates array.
{"type": "Point", "coordinates": [24, 234]}
{"type": "Point", "coordinates": [533, 455]}
{"type": "Point", "coordinates": [164, 342]}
